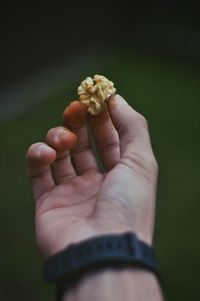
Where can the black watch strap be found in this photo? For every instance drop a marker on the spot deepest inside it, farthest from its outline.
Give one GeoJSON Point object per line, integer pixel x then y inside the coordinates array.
{"type": "Point", "coordinates": [113, 250]}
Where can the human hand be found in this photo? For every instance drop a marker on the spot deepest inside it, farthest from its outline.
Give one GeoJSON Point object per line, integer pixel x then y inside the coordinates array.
{"type": "Point", "coordinates": [74, 200]}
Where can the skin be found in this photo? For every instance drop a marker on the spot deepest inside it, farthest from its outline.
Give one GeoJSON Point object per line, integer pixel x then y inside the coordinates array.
{"type": "Point", "coordinates": [74, 200]}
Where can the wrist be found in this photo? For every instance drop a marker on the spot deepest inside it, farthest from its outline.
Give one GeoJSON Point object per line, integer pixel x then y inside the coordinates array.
{"type": "Point", "coordinates": [128, 284]}
{"type": "Point", "coordinates": [113, 252]}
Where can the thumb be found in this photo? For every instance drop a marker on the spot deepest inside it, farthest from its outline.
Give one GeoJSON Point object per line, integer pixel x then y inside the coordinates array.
{"type": "Point", "coordinates": [132, 128]}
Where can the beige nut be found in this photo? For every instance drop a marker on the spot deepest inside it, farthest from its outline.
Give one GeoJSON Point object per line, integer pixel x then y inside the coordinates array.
{"type": "Point", "coordinates": [94, 92]}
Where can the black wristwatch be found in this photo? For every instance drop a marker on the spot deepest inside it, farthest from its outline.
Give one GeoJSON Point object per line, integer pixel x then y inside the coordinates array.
{"type": "Point", "coordinates": [107, 251]}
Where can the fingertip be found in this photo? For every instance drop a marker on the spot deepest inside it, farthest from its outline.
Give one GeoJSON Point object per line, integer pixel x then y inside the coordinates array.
{"type": "Point", "coordinates": [100, 119]}
{"type": "Point", "coordinates": [39, 158]}
{"type": "Point", "coordinates": [60, 138]}
{"type": "Point", "coordinates": [115, 100]}
{"type": "Point", "coordinates": [75, 115]}
{"type": "Point", "coordinates": [40, 153]}
{"type": "Point", "coordinates": [119, 98]}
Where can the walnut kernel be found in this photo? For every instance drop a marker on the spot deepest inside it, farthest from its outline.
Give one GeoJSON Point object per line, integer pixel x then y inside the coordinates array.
{"type": "Point", "coordinates": [94, 92]}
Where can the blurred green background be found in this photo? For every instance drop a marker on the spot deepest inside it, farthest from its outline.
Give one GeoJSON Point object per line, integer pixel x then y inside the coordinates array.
{"type": "Point", "coordinates": [163, 83]}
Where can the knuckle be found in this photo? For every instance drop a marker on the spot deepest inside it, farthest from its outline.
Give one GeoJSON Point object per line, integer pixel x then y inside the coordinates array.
{"type": "Point", "coordinates": [142, 120]}
{"type": "Point", "coordinates": [153, 165]}
{"type": "Point", "coordinates": [139, 120]}
{"type": "Point", "coordinates": [110, 146]}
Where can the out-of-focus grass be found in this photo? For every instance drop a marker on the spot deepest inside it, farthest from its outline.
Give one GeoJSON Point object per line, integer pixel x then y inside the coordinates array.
{"type": "Point", "coordinates": [167, 91]}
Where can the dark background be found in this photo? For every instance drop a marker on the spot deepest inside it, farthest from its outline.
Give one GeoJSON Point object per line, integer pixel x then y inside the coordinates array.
{"type": "Point", "coordinates": [33, 35]}
{"type": "Point", "coordinates": [151, 51]}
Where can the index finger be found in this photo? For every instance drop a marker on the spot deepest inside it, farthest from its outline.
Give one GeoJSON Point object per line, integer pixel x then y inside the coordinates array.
{"type": "Point", "coordinates": [106, 138]}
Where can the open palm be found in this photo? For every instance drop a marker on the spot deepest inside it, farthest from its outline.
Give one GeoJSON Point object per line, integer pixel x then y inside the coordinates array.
{"type": "Point", "coordinates": [74, 200]}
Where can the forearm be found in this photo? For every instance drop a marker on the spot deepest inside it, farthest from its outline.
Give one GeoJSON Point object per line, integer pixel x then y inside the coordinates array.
{"type": "Point", "coordinates": [117, 285]}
